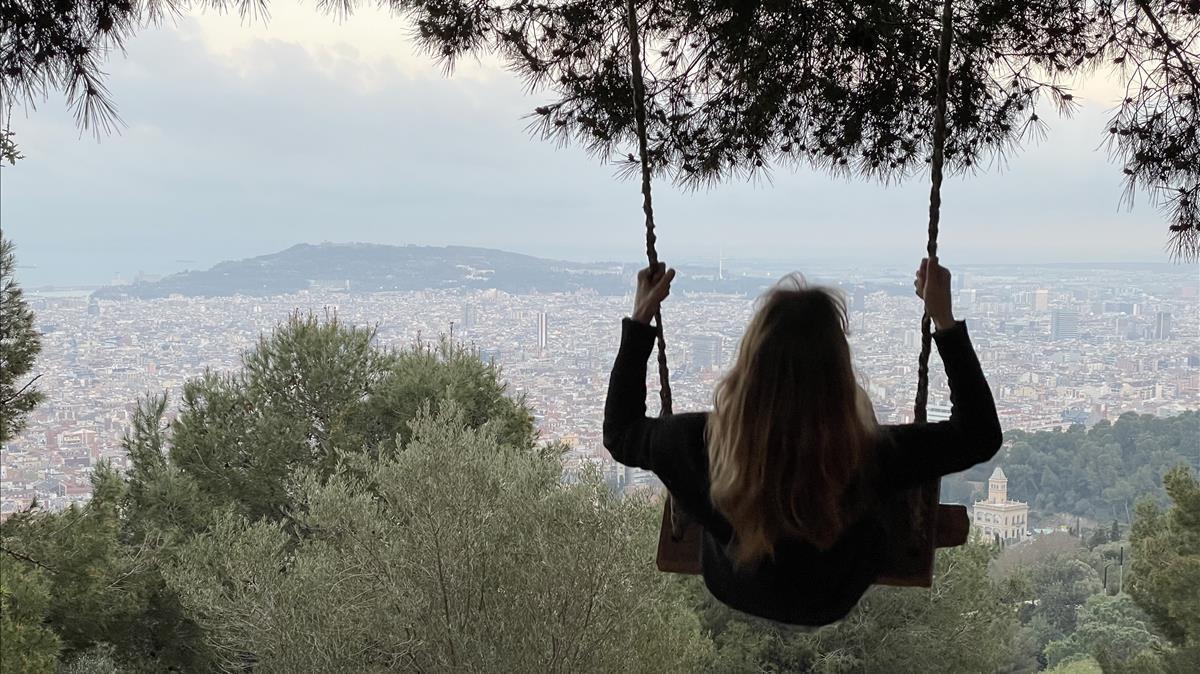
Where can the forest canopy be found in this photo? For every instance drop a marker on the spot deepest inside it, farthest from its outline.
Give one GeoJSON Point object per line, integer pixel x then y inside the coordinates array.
{"type": "Point", "coordinates": [1098, 473]}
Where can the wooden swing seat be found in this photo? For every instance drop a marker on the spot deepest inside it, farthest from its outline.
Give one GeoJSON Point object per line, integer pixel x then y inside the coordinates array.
{"type": "Point", "coordinates": [909, 562]}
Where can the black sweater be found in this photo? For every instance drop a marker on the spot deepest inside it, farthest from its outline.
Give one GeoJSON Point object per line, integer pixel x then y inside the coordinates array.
{"type": "Point", "coordinates": [801, 584]}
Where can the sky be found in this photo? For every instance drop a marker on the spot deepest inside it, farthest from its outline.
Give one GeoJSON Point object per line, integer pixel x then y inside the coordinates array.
{"type": "Point", "coordinates": [244, 139]}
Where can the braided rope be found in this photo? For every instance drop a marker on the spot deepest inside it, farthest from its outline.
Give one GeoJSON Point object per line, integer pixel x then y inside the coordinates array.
{"type": "Point", "coordinates": [678, 518]}
{"type": "Point", "coordinates": [639, 115]}
{"type": "Point", "coordinates": [935, 202]}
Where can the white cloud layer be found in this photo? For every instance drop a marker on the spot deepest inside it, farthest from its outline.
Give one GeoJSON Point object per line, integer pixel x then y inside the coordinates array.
{"type": "Point", "coordinates": [242, 140]}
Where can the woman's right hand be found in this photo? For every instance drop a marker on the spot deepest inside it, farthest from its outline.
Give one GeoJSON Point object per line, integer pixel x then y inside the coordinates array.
{"type": "Point", "coordinates": [933, 285]}
{"type": "Point", "coordinates": [653, 286]}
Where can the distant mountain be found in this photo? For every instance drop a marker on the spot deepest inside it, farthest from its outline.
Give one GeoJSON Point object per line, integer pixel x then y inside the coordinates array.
{"type": "Point", "coordinates": [362, 267]}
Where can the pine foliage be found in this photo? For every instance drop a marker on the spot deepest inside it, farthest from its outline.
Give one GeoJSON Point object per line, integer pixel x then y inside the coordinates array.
{"type": "Point", "coordinates": [736, 87]}
{"type": "Point", "coordinates": [455, 553]}
{"type": "Point", "coordinates": [20, 343]}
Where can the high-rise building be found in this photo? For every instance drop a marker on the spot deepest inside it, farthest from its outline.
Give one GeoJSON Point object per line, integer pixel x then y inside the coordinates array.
{"type": "Point", "coordinates": [860, 300]}
{"type": "Point", "coordinates": [1162, 325]}
{"type": "Point", "coordinates": [543, 336]}
{"type": "Point", "coordinates": [1121, 327]}
{"type": "Point", "coordinates": [706, 352]}
{"type": "Point", "coordinates": [1064, 324]}
{"type": "Point", "coordinates": [959, 281]}
{"type": "Point", "coordinates": [937, 412]}
{"type": "Point", "coordinates": [1041, 299]}
{"type": "Point", "coordinates": [470, 316]}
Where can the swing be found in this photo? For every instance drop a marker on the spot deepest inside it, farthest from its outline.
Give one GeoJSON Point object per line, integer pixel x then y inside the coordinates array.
{"type": "Point", "coordinates": [920, 523]}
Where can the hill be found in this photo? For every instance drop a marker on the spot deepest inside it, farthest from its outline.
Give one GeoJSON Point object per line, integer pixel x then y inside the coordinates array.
{"type": "Point", "coordinates": [362, 267]}
{"type": "Point", "coordinates": [369, 268]}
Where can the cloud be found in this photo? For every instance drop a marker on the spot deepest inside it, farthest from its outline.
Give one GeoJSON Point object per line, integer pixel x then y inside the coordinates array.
{"type": "Point", "coordinates": [242, 144]}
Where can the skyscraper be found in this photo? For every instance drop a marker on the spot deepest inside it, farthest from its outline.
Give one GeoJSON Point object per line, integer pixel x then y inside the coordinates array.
{"type": "Point", "coordinates": [860, 300]}
{"type": "Point", "coordinates": [543, 336]}
{"type": "Point", "coordinates": [706, 352]}
{"type": "Point", "coordinates": [1121, 327]}
{"type": "Point", "coordinates": [1162, 325]}
{"type": "Point", "coordinates": [470, 316]}
{"type": "Point", "coordinates": [937, 412]}
{"type": "Point", "coordinates": [1064, 324]}
{"type": "Point", "coordinates": [1041, 300]}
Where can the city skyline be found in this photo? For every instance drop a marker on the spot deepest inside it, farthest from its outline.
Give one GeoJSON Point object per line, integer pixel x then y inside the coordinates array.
{"type": "Point", "coordinates": [554, 349]}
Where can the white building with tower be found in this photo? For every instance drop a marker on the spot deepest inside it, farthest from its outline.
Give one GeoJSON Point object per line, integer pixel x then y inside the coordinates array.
{"type": "Point", "coordinates": [998, 518]}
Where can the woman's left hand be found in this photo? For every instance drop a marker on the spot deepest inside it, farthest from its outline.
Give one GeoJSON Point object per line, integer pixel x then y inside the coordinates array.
{"type": "Point", "coordinates": [653, 286]}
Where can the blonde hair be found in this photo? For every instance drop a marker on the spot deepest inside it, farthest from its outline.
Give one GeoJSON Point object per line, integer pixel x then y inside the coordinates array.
{"type": "Point", "coordinates": [791, 428]}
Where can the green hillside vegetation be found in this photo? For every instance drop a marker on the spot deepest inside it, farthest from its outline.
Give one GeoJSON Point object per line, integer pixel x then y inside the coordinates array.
{"type": "Point", "coordinates": [1165, 579]}
{"type": "Point", "coordinates": [337, 507]}
{"type": "Point", "coordinates": [1097, 473]}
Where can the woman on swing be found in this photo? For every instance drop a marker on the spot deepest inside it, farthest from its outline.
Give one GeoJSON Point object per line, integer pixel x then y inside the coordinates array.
{"type": "Point", "coordinates": [785, 472]}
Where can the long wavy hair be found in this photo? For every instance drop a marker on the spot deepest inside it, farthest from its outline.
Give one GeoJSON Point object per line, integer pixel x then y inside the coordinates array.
{"type": "Point", "coordinates": [791, 428]}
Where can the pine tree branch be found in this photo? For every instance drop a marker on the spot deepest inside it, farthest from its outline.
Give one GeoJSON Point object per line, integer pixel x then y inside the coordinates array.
{"type": "Point", "coordinates": [30, 560]}
{"type": "Point", "coordinates": [16, 395]}
{"type": "Point", "coordinates": [1184, 64]}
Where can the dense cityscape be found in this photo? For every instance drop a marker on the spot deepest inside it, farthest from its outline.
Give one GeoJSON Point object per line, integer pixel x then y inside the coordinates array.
{"type": "Point", "coordinates": [1061, 345]}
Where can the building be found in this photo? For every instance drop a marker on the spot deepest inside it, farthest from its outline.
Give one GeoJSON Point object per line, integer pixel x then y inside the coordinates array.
{"type": "Point", "coordinates": [543, 336]}
{"type": "Point", "coordinates": [937, 412]}
{"type": "Point", "coordinates": [1064, 324]}
{"type": "Point", "coordinates": [1121, 327]}
{"type": "Point", "coordinates": [1041, 300]}
{"type": "Point", "coordinates": [998, 518]}
{"type": "Point", "coordinates": [1162, 325]}
{"type": "Point", "coordinates": [706, 352]}
{"type": "Point", "coordinates": [470, 316]}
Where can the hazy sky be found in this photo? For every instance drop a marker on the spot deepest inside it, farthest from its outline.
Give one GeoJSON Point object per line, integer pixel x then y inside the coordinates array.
{"type": "Point", "coordinates": [243, 140]}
